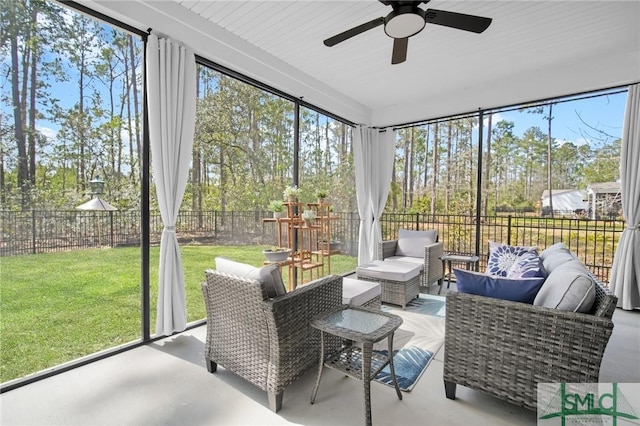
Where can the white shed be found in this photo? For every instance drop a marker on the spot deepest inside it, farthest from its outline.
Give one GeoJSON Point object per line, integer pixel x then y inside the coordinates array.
{"type": "Point", "coordinates": [565, 201]}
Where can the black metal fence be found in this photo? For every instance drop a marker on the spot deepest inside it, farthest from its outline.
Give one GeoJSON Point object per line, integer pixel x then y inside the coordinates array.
{"type": "Point", "coordinates": [41, 231]}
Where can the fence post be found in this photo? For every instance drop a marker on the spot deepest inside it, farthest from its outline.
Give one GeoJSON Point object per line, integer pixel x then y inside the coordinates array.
{"type": "Point", "coordinates": [111, 222]}
{"type": "Point", "coordinates": [417, 221]}
{"type": "Point", "coordinates": [509, 229]}
{"type": "Point", "coordinates": [33, 231]}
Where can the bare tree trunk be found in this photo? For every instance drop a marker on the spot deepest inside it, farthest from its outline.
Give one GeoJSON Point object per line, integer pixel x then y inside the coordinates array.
{"type": "Point", "coordinates": [405, 171]}
{"type": "Point", "coordinates": [411, 166]}
{"type": "Point", "coordinates": [81, 136]}
{"type": "Point", "coordinates": [425, 177]}
{"type": "Point", "coordinates": [487, 170]}
{"type": "Point", "coordinates": [223, 182]}
{"type": "Point", "coordinates": [127, 99]}
{"type": "Point", "coordinates": [23, 165]}
{"type": "Point", "coordinates": [549, 149]}
{"type": "Point", "coordinates": [196, 188]}
{"type": "Point", "coordinates": [434, 169]}
{"type": "Point", "coordinates": [447, 195]}
{"type": "Point", "coordinates": [327, 151]}
{"type": "Point", "coordinates": [32, 101]}
{"type": "Point", "coordinates": [134, 81]}
{"type": "Point", "coordinates": [472, 193]}
{"type": "Point", "coordinates": [3, 197]}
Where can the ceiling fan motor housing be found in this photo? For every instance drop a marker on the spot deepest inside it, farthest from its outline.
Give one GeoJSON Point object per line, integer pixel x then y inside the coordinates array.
{"type": "Point", "coordinates": [404, 21]}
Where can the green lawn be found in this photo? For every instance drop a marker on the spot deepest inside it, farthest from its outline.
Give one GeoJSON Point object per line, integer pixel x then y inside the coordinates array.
{"type": "Point", "coordinates": [56, 307]}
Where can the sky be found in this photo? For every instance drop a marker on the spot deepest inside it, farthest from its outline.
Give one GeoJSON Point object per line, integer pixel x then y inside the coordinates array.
{"type": "Point", "coordinates": [572, 120]}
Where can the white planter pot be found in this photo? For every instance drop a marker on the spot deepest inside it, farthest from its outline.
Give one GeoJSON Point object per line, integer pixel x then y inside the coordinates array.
{"type": "Point", "coordinates": [276, 256]}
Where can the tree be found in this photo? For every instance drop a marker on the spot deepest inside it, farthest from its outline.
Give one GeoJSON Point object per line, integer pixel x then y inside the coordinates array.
{"type": "Point", "coordinates": [487, 170]}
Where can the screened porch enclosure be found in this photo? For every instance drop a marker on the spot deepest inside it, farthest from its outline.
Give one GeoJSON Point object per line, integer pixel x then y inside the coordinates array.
{"type": "Point", "coordinates": [255, 133]}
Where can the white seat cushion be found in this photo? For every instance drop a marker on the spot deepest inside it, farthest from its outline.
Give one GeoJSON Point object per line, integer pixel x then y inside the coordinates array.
{"type": "Point", "coordinates": [392, 271]}
{"type": "Point", "coordinates": [413, 260]}
{"type": "Point", "coordinates": [358, 292]}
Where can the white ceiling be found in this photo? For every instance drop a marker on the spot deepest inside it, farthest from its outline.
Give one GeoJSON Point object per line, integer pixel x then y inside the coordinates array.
{"type": "Point", "coordinates": [532, 50]}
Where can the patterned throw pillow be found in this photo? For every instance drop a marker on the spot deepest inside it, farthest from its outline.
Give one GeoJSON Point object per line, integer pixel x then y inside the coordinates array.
{"type": "Point", "coordinates": [527, 266]}
{"type": "Point", "coordinates": [502, 257]}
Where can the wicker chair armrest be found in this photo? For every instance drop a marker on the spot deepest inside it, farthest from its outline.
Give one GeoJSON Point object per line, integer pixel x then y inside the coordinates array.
{"type": "Point", "coordinates": [387, 249]}
{"type": "Point", "coordinates": [505, 348]}
{"type": "Point", "coordinates": [294, 344]}
{"type": "Point", "coordinates": [433, 268]}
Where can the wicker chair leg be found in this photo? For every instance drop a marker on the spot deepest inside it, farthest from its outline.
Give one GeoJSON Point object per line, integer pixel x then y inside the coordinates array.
{"type": "Point", "coordinates": [275, 401]}
{"type": "Point", "coordinates": [450, 389]}
{"type": "Point", "coordinates": [211, 366]}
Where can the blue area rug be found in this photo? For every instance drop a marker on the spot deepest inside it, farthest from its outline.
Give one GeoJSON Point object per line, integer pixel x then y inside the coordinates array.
{"type": "Point", "coordinates": [409, 364]}
{"type": "Point", "coordinates": [419, 337]}
{"type": "Point", "coordinates": [427, 304]}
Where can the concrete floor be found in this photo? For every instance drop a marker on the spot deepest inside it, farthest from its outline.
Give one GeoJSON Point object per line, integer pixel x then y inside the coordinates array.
{"type": "Point", "coordinates": [166, 383]}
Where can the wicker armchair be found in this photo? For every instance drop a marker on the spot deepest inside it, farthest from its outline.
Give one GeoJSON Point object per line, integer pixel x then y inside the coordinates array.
{"type": "Point", "coordinates": [506, 348]}
{"type": "Point", "coordinates": [266, 341]}
{"type": "Point", "coordinates": [432, 267]}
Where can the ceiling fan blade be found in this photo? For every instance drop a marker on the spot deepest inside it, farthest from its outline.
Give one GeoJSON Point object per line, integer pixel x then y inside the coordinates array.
{"type": "Point", "coordinates": [461, 21]}
{"type": "Point", "coordinates": [399, 54]}
{"type": "Point", "coordinates": [332, 41]}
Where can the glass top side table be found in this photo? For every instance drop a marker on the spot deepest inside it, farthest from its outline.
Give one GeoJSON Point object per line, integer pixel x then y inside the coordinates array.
{"type": "Point", "coordinates": [449, 258]}
{"type": "Point", "coordinates": [357, 326]}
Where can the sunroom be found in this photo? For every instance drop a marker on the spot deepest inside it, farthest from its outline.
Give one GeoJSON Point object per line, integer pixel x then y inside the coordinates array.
{"type": "Point", "coordinates": [531, 52]}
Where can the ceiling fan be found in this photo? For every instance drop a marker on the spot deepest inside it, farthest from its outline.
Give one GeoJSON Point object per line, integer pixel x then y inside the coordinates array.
{"type": "Point", "coordinates": [406, 20]}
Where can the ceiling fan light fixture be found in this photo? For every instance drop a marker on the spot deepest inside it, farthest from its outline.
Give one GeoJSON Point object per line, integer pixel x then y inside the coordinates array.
{"type": "Point", "coordinates": [404, 21]}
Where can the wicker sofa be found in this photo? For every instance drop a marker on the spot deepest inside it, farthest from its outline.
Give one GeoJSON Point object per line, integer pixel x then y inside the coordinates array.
{"type": "Point", "coordinates": [429, 256]}
{"type": "Point", "coordinates": [268, 342]}
{"type": "Point", "coordinates": [506, 348]}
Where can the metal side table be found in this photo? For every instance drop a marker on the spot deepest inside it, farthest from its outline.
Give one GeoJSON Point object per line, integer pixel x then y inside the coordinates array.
{"type": "Point", "coordinates": [363, 326]}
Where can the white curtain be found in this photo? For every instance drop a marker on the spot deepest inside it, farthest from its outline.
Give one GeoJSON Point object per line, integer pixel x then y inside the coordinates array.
{"type": "Point", "coordinates": [374, 155]}
{"type": "Point", "coordinates": [625, 274]}
{"type": "Point", "coordinates": [171, 88]}
{"type": "Point", "coordinates": [362, 157]}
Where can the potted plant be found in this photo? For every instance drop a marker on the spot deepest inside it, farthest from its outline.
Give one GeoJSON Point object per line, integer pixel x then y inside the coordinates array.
{"type": "Point", "coordinates": [277, 207]}
{"type": "Point", "coordinates": [276, 254]}
{"type": "Point", "coordinates": [291, 193]}
{"type": "Point", "coordinates": [335, 245]}
{"type": "Point", "coordinates": [308, 216]}
{"type": "Point", "coordinates": [321, 194]}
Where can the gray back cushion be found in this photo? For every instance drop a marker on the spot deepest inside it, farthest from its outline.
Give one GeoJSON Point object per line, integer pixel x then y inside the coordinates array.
{"type": "Point", "coordinates": [411, 243]}
{"type": "Point", "coordinates": [556, 255]}
{"type": "Point", "coordinates": [269, 275]}
{"type": "Point", "coordinates": [569, 287]}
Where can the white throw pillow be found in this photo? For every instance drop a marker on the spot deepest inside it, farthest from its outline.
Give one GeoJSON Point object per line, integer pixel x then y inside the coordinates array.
{"type": "Point", "coordinates": [411, 243]}
{"type": "Point", "coordinates": [269, 275]}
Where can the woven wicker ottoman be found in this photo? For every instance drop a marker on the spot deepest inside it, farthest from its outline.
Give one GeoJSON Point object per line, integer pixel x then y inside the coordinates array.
{"type": "Point", "coordinates": [400, 281]}
{"type": "Point", "coordinates": [361, 293]}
